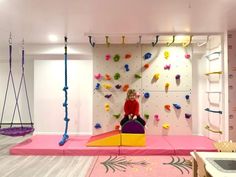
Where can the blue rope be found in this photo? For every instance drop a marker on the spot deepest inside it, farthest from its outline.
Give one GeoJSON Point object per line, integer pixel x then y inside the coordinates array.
{"type": "Point", "coordinates": [65, 136]}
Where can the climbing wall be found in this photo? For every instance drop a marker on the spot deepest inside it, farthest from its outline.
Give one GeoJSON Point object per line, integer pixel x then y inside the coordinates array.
{"type": "Point", "coordinates": [166, 75]}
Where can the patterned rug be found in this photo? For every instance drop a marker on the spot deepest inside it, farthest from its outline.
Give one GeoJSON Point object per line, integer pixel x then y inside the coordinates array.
{"type": "Point", "coordinates": [141, 166]}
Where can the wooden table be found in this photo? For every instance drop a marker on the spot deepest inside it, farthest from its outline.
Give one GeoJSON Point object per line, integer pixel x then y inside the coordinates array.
{"type": "Point", "coordinates": [211, 169]}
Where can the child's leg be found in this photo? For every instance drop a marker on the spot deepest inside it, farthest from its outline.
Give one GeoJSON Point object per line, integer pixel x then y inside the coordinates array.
{"type": "Point", "coordinates": [140, 120]}
{"type": "Point", "coordinates": [124, 120]}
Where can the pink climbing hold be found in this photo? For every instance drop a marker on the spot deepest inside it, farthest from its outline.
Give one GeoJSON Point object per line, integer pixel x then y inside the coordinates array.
{"type": "Point", "coordinates": [187, 55]}
{"type": "Point", "coordinates": [98, 76]}
{"type": "Point", "coordinates": [156, 117]}
{"type": "Point", "coordinates": [107, 57]}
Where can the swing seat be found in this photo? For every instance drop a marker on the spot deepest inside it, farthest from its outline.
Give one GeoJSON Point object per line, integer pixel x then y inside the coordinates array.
{"type": "Point", "coordinates": [16, 131]}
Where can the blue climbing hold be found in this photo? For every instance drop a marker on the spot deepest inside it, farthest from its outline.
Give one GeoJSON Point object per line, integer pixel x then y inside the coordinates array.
{"type": "Point", "coordinates": [97, 86]}
{"type": "Point", "coordinates": [97, 126]}
{"type": "Point", "coordinates": [146, 95]}
{"type": "Point", "coordinates": [126, 67]}
{"type": "Point", "coordinates": [177, 106]}
{"type": "Point", "coordinates": [187, 97]}
{"type": "Point", "coordinates": [147, 55]}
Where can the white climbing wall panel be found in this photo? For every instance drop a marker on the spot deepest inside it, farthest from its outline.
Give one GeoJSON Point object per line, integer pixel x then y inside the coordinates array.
{"type": "Point", "coordinates": [159, 96]}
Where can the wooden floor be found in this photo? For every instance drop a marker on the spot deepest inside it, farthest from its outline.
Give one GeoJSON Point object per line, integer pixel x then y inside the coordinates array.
{"type": "Point", "coordinates": [39, 166]}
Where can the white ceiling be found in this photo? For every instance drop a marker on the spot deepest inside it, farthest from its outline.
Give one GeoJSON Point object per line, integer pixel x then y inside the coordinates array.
{"type": "Point", "coordinates": [34, 20]}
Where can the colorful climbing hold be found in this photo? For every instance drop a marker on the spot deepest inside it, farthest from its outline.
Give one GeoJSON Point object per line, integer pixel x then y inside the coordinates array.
{"type": "Point", "coordinates": [97, 126]}
{"type": "Point", "coordinates": [107, 57]}
{"type": "Point", "coordinates": [107, 86]}
{"type": "Point", "coordinates": [117, 127]}
{"type": "Point", "coordinates": [126, 66]}
{"type": "Point", "coordinates": [166, 126]}
{"type": "Point", "coordinates": [156, 117]}
{"type": "Point", "coordinates": [97, 86]}
{"type": "Point", "coordinates": [98, 76]}
{"type": "Point", "coordinates": [167, 67]}
{"type": "Point", "coordinates": [137, 76]}
{"type": "Point", "coordinates": [146, 116]}
{"type": "Point", "coordinates": [177, 77]}
{"type": "Point", "coordinates": [187, 55]}
{"type": "Point", "coordinates": [146, 66]}
{"type": "Point", "coordinates": [167, 107]}
{"type": "Point", "coordinates": [166, 54]}
{"type": "Point", "coordinates": [118, 86]}
{"type": "Point", "coordinates": [156, 76]}
{"type": "Point", "coordinates": [177, 106]}
{"type": "Point", "coordinates": [167, 85]}
{"type": "Point", "coordinates": [108, 96]}
{"type": "Point", "coordinates": [127, 56]}
{"type": "Point", "coordinates": [187, 97]}
{"type": "Point", "coordinates": [107, 77]}
{"type": "Point", "coordinates": [147, 55]}
{"type": "Point", "coordinates": [117, 116]}
{"type": "Point", "coordinates": [125, 87]}
{"type": "Point", "coordinates": [188, 116]}
{"type": "Point", "coordinates": [107, 107]}
{"type": "Point", "coordinates": [146, 95]}
{"type": "Point", "coordinates": [117, 76]}
{"type": "Point", "coordinates": [116, 58]}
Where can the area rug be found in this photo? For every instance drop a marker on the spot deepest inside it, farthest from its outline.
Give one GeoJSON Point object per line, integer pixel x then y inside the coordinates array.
{"type": "Point", "coordinates": [141, 166]}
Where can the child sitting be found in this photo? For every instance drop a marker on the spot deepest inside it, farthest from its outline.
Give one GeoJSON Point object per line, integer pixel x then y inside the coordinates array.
{"type": "Point", "coordinates": [131, 108]}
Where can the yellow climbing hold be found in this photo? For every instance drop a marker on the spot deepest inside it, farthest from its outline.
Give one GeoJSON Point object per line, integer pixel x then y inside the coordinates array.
{"type": "Point", "coordinates": [166, 126]}
{"type": "Point", "coordinates": [107, 107]}
{"type": "Point", "coordinates": [156, 76]}
{"type": "Point", "coordinates": [107, 86]}
{"type": "Point", "coordinates": [167, 85]}
{"type": "Point", "coordinates": [166, 54]}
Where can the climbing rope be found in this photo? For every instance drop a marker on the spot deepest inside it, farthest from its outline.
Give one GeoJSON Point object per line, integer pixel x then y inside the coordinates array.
{"type": "Point", "coordinates": [65, 136]}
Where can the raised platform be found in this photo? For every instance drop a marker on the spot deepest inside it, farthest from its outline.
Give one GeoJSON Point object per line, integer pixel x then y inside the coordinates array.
{"type": "Point", "coordinates": [76, 145]}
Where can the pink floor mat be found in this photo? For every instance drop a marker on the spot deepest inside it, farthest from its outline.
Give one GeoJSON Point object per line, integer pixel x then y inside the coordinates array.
{"type": "Point", "coordinates": [141, 166]}
{"type": "Point", "coordinates": [76, 145]}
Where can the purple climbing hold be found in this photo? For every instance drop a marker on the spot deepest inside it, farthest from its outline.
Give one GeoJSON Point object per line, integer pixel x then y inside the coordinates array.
{"type": "Point", "coordinates": [108, 96]}
{"type": "Point", "coordinates": [188, 116]}
{"type": "Point", "coordinates": [177, 77]}
{"type": "Point", "coordinates": [118, 86]}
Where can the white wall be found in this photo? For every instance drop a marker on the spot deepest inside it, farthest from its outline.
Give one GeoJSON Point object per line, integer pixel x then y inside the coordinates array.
{"type": "Point", "coordinates": [49, 97]}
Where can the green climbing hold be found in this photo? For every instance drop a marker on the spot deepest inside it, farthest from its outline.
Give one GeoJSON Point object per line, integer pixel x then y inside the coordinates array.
{"type": "Point", "coordinates": [116, 58]}
{"type": "Point", "coordinates": [117, 116]}
{"type": "Point", "coordinates": [117, 76]}
{"type": "Point", "coordinates": [137, 76]}
{"type": "Point", "coordinates": [146, 116]}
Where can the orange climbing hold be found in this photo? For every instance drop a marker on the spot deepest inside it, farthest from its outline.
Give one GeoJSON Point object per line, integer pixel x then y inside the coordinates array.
{"type": "Point", "coordinates": [167, 107]}
{"type": "Point", "coordinates": [107, 77]}
{"type": "Point", "coordinates": [125, 87]}
{"type": "Point", "coordinates": [127, 56]}
{"type": "Point", "coordinates": [146, 66]}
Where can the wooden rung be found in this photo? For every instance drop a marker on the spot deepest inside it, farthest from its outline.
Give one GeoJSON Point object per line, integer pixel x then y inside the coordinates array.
{"type": "Point", "coordinates": [214, 72]}
{"type": "Point", "coordinates": [214, 53]}
{"type": "Point", "coordinates": [212, 130]}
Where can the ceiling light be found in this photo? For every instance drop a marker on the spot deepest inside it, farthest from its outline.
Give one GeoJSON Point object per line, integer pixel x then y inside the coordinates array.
{"type": "Point", "coordinates": [53, 38]}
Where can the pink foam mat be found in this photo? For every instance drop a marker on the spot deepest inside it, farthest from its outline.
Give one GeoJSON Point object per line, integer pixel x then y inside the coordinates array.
{"type": "Point", "coordinates": [155, 145]}
{"type": "Point", "coordinates": [183, 145]}
{"type": "Point", "coordinates": [76, 145]}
